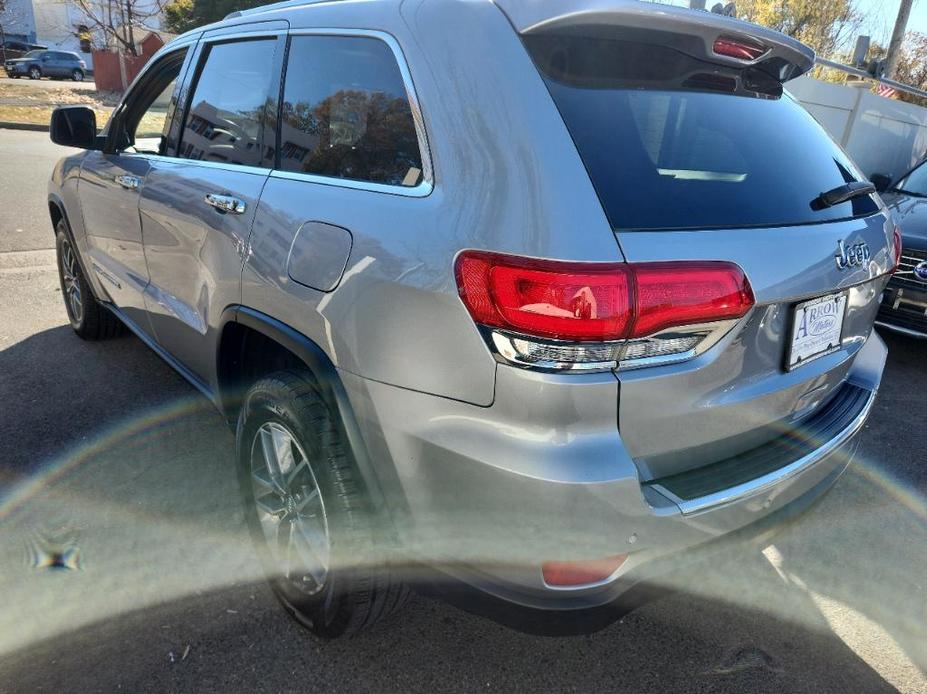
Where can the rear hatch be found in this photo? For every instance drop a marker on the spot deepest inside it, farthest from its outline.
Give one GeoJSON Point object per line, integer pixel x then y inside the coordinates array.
{"type": "Point", "coordinates": [701, 156]}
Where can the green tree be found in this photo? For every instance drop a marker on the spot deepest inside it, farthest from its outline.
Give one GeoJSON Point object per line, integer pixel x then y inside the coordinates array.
{"type": "Point", "coordinates": [825, 25]}
{"type": "Point", "coordinates": [183, 15]}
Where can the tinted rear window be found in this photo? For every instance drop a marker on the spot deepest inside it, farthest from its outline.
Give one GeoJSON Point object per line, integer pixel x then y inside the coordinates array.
{"type": "Point", "coordinates": [671, 142]}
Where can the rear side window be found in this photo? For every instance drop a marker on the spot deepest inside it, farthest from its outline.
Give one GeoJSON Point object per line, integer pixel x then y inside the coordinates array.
{"type": "Point", "coordinates": [226, 112]}
{"type": "Point", "coordinates": [346, 113]}
{"type": "Point", "coordinates": [671, 142]}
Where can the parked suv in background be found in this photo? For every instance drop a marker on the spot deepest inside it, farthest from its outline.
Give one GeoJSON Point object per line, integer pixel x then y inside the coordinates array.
{"type": "Point", "coordinates": [904, 302]}
{"type": "Point", "coordinates": [38, 64]}
{"type": "Point", "coordinates": [543, 302]}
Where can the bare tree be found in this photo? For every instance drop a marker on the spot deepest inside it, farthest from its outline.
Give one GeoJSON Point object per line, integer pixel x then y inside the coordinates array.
{"type": "Point", "coordinates": [117, 20]}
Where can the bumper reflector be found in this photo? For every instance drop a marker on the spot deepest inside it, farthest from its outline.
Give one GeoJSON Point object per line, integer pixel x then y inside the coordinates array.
{"type": "Point", "coordinates": [580, 573]}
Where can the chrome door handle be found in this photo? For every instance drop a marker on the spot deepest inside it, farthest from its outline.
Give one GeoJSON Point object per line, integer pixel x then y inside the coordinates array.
{"type": "Point", "coordinates": [129, 182]}
{"type": "Point", "coordinates": [225, 203]}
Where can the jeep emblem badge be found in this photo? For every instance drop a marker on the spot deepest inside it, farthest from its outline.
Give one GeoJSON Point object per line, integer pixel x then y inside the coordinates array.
{"type": "Point", "coordinates": [848, 256]}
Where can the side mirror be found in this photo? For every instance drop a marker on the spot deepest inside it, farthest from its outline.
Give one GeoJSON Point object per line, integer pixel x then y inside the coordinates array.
{"type": "Point", "coordinates": [74, 126]}
{"type": "Point", "coordinates": [881, 181]}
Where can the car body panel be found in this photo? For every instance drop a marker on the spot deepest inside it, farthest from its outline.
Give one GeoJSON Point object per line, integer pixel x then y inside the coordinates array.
{"type": "Point", "coordinates": [113, 229]}
{"type": "Point", "coordinates": [738, 395]}
{"type": "Point", "coordinates": [194, 253]}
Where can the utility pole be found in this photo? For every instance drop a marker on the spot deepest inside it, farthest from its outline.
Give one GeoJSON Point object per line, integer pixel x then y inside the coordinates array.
{"type": "Point", "coordinates": [894, 47]}
{"type": "Point", "coordinates": [132, 35]}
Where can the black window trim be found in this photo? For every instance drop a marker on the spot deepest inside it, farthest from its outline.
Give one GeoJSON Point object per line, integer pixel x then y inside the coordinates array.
{"type": "Point", "coordinates": [137, 89]}
{"type": "Point", "coordinates": [426, 185]}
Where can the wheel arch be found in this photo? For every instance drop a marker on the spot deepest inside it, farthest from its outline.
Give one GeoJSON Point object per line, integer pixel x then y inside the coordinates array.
{"type": "Point", "coordinates": [239, 325]}
{"type": "Point", "coordinates": [58, 212]}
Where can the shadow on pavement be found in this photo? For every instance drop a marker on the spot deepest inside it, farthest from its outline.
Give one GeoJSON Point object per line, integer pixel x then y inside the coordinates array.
{"type": "Point", "coordinates": [112, 455]}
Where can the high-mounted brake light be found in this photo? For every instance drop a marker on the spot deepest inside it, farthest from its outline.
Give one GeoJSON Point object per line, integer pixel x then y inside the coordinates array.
{"type": "Point", "coordinates": [589, 315]}
{"type": "Point", "coordinates": [739, 48]}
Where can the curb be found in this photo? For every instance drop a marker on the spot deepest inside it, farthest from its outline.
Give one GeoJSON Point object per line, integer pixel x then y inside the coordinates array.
{"type": "Point", "coordinates": [38, 127]}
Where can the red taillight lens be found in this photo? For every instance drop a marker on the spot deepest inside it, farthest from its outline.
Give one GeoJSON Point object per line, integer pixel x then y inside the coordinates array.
{"type": "Point", "coordinates": [738, 48]}
{"type": "Point", "coordinates": [671, 294]}
{"type": "Point", "coordinates": [567, 301]}
{"type": "Point", "coordinates": [598, 302]}
{"type": "Point", "coordinates": [579, 573]}
{"type": "Point", "coordinates": [896, 248]}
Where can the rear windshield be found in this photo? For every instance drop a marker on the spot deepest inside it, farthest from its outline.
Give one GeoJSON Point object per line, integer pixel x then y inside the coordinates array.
{"type": "Point", "coordinates": [672, 142]}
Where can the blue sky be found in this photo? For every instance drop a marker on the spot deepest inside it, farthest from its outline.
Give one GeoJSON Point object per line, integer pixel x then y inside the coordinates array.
{"type": "Point", "coordinates": [881, 17]}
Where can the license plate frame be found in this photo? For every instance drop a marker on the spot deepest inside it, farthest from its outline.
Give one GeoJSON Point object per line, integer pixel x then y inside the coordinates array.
{"type": "Point", "coordinates": [818, 342]}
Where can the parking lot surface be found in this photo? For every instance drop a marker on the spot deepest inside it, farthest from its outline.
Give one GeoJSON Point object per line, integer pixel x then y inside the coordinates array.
{"type": "Point", "coordinates": [117, 472]}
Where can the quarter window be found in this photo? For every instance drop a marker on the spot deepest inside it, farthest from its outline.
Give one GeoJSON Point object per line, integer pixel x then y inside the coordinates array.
{"type": "Point", "coordinates": [228, 103]}
{"type": "Point", "coordinates": [346, 113]}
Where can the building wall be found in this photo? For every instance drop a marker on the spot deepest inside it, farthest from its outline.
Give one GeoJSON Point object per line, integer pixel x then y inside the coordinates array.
{"type": "Point", "coordinates": [881, 135]}
{"type": "Point", "coordinates": [18, 20]}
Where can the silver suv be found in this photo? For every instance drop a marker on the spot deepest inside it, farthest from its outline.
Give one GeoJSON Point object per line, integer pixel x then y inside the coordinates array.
{"type": "Point", "coordinates": [538, 298]}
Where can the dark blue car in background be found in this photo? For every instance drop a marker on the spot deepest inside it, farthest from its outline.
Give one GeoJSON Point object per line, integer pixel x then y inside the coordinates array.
{"type": "Point", "coordinates": [904, 302]}
{"type": "Point", "coordinates": [38, 64]}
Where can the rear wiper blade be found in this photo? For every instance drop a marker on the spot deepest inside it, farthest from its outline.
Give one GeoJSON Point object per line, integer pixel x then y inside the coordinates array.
{"type": "Point", "coordinates": [840, 194]}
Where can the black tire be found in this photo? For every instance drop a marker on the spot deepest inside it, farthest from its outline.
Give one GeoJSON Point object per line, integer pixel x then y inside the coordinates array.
{"type": "Point", "coordinates": [359, 588]}
{"type": "Point", "coordinates": [77, 75]}
{"type": "Point", "coordinates": [35, 73]}
{"type": "Point", "coordinates": [90, 321]}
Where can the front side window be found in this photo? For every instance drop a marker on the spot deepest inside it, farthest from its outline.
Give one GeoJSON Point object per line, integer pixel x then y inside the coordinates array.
{"type": "Point", "coordinates": [226, 113]}
{"type": "Point", "coordinates": [149, 109]}
{"type": "Point", "coordinates": [346, 113]}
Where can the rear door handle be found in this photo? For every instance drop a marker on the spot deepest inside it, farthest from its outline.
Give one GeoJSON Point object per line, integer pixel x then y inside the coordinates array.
{"type": "Point", "coordinates": [129, 182]}
{"type": "Point", "coordinates": [225, 203]}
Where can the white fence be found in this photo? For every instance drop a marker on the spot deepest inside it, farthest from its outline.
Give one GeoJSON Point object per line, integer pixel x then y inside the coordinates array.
{"type": "Point", "coordinates": [881, 135]}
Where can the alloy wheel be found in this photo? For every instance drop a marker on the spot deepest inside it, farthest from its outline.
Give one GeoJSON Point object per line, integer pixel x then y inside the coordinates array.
{"type": "Point", "coordinates": [35, 73]}
{"type": "Point", "coordinates": [290, 508]}
{"type": "Point", "coordinates": [70, 273]}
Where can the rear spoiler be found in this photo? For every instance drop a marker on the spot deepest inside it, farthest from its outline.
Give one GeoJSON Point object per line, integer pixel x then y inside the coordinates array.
{"type": "Point", "coordinates": [703, 35]}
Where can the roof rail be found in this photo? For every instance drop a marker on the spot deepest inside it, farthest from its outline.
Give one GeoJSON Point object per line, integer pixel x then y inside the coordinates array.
{"type": "Point", "coordinates": [274, 6]}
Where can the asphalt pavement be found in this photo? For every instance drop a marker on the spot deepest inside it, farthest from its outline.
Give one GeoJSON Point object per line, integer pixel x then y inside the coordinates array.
{"type": "Point", "coordinates": [124, 564]}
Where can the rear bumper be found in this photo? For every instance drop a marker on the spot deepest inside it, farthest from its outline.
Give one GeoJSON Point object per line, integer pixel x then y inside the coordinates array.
{"type": "Point", "coordinates": [487, 494]}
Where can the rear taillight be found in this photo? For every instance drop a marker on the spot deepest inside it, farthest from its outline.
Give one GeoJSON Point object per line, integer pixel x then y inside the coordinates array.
{"type": "Point", "coordinates": [741, 49]}
{"type": "Point", "coordinates": [896, 249]}
{"type": "Point", "coordinates": [565, 301]}
{"type": "Point", "coordinates": [555, 314]}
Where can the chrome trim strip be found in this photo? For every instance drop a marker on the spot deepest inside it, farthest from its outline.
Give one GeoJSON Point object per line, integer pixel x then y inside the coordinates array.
{"type": "Point", "coordinates": [900, 330]}
{"type": "Point", "coordinates": [763, 484]}
{"type": "Point", "coordinates": [238, 168]}
{"type": "Point", "coordinates": [421, 190]}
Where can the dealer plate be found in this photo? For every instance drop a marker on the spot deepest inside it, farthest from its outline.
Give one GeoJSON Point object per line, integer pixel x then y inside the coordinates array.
{"type": "Point", "coordinates": [817, 328]}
